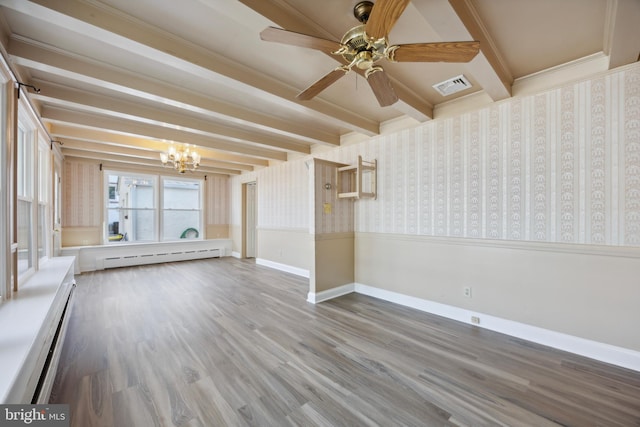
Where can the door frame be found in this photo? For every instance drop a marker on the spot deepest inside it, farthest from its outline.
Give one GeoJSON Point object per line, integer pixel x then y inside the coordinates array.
{"type": "Point", "coordinates": [246, 220]}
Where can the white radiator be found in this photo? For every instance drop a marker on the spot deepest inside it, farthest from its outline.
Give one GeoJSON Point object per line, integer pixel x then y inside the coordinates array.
{"type": "Point", "coordinates": [158, 256]}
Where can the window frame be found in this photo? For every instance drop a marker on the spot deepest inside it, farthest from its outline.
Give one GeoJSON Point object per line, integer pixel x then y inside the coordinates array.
{"type": "Point", "coordinates": [5, 193]}
{"type": "Point", "coordinates": [200, 210]}
{"type": "Point", "coordinates": [25, 141]}
{"type": "Point", "coordinates": [106, 198]}
{"type": "Point", "coordinates": [159, 209]}
{"type": "Point", "coordinates": [43, 226]}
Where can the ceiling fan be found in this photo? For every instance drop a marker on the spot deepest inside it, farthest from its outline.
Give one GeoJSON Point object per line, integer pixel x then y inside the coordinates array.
{"type": "Point", "coordinates": [363, 46]}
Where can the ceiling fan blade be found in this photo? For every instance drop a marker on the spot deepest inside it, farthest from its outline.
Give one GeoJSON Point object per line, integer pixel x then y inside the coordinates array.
{"type": "Point", "coordinates": [278, 35]}
{"type": "Point", "coordinates": [383, 17]}
{"type": "Point", "coordinates": [381, 86]}
{"type": "Point", "coordinates": [434, 52]}
{"type": "Point", "coordinates": [321, 84]}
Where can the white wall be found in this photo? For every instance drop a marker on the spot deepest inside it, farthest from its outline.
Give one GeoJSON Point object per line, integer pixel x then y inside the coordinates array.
{"type": "Point", "coordinates": [585, 291]}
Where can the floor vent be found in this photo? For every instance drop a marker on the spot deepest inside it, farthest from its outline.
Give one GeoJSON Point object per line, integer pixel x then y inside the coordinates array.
{"type": "Point", "coordinates": [453, 85]}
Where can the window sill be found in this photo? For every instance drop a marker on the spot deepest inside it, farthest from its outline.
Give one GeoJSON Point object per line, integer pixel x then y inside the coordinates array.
{"type": "Point", "coordinates": [27, 324]}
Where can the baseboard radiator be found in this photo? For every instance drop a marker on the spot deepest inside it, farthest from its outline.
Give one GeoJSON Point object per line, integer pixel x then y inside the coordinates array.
{"type": "Point", "coordinates": [158, 256]}
{"type": "Point", "coordinates": [50, 365]}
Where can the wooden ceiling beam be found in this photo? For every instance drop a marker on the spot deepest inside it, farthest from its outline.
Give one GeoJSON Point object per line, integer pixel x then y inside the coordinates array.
{"type": "Point", "coordinates": [109, 26]}
{"type": "Point", "coordinates": [115, 161]}
{"type": "Point", "coordinates": [487, 67]}
{"type": "Point", "coordinates": [92, 102]}
{"type": "Point", "coordinates": [144, 154]}
{"type": "Point", "coordinates": [622, 32]}
{"type": "Point", "coordinates": [58, 115]}
{"type": "Point", "coordinates": [69, 132]}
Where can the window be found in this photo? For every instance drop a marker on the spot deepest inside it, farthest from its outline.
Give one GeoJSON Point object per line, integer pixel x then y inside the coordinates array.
{"type": "Point", "coordinates": [131, 208]}
{"type": "Point", "coordinates": [57, 215]}
{"type": "Point", "coordinates": [44, 167]}
{"type": "Point", "coordinates": [181, 212]}
{"type": "Point", "coordinates": [5, 270]}
{"type": "Point", "coordinates": [140, 211]}
{"type": "Point", "coordinates": [25, 201]}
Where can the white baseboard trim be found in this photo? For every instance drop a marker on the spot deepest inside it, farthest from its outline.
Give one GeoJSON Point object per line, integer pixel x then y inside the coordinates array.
{"type": "Point", "coordinates": [607, 353]}
{"type": "Point", "coordinates": [236, 254]}
{"type": "Point", "coordinates": [316, 297]}
{"type": "Point", "coordinates": [602, 352]}
{"type": "Point", "coordinates": [283, 267]}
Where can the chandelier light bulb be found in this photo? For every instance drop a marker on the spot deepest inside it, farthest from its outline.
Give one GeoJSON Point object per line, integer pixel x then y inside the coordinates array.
{"type": "Point", "coordinates": [183, 158]}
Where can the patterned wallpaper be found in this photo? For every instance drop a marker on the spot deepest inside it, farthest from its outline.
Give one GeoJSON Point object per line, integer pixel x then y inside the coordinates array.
{"type": "Point", "coordinates": [82, 195]}
{"type": "Point", "coordinates": [283, 196]}
{"type": "Point", "coordinates": [332, 215]}
{"type": "Point", "coordinates": [559, 166]}
{"type": "Point", "coordinates": [217, 199]}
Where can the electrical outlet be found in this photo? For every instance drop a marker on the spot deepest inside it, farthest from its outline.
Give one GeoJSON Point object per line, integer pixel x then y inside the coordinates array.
{"type": "Point", "coordinates": [475, 320]}
{"type": "Point", "coordinates": [467, 291]}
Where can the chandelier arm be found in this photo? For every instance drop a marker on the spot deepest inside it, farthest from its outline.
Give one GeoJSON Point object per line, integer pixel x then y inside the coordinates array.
{"type": "Point", "coordinates": [181, 159]}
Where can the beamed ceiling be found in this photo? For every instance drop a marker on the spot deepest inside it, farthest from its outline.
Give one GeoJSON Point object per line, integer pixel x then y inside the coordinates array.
{"type": "Point", "coordinates": [120, 80]}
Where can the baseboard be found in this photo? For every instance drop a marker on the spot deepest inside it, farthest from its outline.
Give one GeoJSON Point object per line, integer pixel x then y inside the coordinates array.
{"type": "Point", "coordinates": [235, 254]}
{"type": "Point", "coordinates": [316, 297]}
{"type": "Point", "coordinates": [283, 267]}
{"type": "Point", "coordinates": [607, 353]}
{"type": "Point", "coordinates": [602, 352]}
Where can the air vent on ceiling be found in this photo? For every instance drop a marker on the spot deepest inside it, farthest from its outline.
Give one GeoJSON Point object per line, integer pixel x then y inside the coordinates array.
{"type": "Point", "coordinates": [453, 85]}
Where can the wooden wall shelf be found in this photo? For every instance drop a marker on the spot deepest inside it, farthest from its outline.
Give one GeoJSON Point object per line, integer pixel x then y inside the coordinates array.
{"type": "Point", "coordinates": [357, 181]}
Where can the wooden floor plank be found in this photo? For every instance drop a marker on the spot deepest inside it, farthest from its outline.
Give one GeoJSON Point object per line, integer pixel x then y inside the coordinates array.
{"type": "Point", "coordinates": [226, 342]}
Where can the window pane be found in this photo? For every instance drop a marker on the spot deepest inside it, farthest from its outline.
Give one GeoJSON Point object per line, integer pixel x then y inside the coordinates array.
{"type": "Point", "coordinates": [25, 172]}
{"type": "Point", "coordinates": [43, 173]}
{"type": "Point", "coordinates": [131, 225]}
{"type": "Point", "coordinates": [24, 236]}
{"type": "Point", "coordinates": [131, 210]}
{"type": "Point", "coordinates": [181, 216]}
{"type": "Point", "coordinates": [181, 194]}
{"type": "Point", "coordinates": [132, 192]}
{"type": "Point", "coordinates": [42, 227]}
{"type": "Point", "coordinates": [24, 221]}
{"type": "Point", "coordinates": [180, 224]}
{"type": "Point", "coordinates": [56, 199]}
{"type": "Point", "coordinates": [44, 182]}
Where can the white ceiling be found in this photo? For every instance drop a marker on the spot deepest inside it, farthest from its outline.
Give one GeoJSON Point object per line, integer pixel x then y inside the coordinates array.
{"type": "Point", "coordinates": [119, 79]}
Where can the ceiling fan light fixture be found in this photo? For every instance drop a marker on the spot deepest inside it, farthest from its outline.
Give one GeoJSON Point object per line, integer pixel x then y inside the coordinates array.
{"type": "Point", "coordinates": [364, 60]}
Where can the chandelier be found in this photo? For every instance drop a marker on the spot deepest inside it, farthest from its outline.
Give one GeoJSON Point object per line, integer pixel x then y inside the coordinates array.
{"type": "Point", "coordinates": [182, 159]}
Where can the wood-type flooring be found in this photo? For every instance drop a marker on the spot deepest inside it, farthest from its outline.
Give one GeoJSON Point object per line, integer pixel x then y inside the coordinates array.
{"type": "Point", "coordinates": [225, 342]}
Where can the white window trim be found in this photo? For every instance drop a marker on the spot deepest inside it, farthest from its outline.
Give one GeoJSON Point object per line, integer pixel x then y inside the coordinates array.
{"type": "Point", "coordinates": [28, 127]}
{"type": "Point", "coordinates": [6, 248]}
{"type": "Point", "coordinates": [105, 198]}
{"type": "Point", "coordinates": [161, 209]}
{"type": "Point", "coordinates": [158, 203]}
{"type": "Point", "coordinates": [44, 199]}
